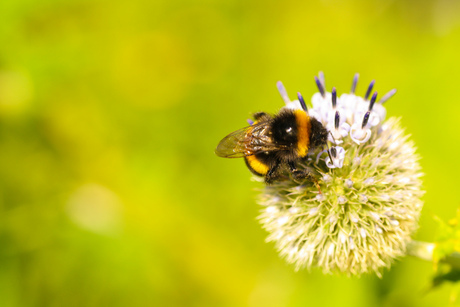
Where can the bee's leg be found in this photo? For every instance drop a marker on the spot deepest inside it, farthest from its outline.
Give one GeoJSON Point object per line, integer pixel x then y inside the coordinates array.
{"type": "Point", "coordinates": [296, 173]}
{"type": "Point", "coordinates": [272, 174]}
{"type": "Point", "coordinates": [299, 175]}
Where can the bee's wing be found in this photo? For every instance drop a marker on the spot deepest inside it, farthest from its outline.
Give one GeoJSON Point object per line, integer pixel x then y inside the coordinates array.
{"type": "Point", "coordinates": [246, 142]}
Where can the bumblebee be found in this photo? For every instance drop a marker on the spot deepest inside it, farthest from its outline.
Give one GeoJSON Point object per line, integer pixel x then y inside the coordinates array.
{"type": "Point", "coordinates": [274, 143]}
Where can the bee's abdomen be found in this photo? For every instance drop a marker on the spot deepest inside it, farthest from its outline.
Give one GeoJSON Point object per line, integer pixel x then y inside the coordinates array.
{"type": "Point", "coordinates": [303, 132]}
{"type": "Point", "coordinates": [258, 164]}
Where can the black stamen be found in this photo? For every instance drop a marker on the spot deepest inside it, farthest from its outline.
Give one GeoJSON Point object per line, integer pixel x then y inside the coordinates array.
{"type": "Point", "coordinates": [320, 87]}
{"type": "Point", "coordinates": [355, 82]}
{"type": "Point", "coordinates": [387, 96]}
{"type": "Point", "coordinates": [369, 90]}
{"type": "Point", "coordinates": [334, 97]}
{"type": "Point", "coordinates": [302, 102]}
{"type": "Point", "coordinates": [337, 119]}
{"type": "Point", "coordinates": [371, 104]}
{"type": "Point", "coordinates": [322, 79]}
{"type": "Point", "coordinates": [333, 152]}
{"type": "Point", "coordinates": [366, 119]}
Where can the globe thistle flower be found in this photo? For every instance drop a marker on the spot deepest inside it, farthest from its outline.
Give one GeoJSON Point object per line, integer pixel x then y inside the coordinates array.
{"type": "Point", "coordinates": [365, 205]}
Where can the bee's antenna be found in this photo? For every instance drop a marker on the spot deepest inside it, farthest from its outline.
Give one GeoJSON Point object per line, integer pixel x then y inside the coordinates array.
{"type": "Point", "coordinates": [329, 151]}
{"type": "Point", "coordinates": [302, 103]}
{"type": "Point", "coordinates": [387, 96]}
{"type": "Point", "coordinates": [369, 89]}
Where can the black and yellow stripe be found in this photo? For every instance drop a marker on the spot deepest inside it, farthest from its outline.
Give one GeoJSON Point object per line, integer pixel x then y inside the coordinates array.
{"type": "Point", "coordinates": [303, 132]}
{"type": "Point", "coordinates": [298, 141]}
{"type": "Point", "coordinates": [254, 162]}
{"type": "Point", "coordinates": [257, 165]}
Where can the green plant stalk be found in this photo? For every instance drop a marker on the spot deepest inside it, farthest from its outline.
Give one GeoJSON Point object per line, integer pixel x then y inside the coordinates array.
{"type": "Point", "coordinates": [424, 250]}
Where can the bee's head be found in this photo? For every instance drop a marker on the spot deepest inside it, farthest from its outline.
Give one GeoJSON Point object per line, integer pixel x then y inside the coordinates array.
{"type": "Point", "coordinates": [319, 133]}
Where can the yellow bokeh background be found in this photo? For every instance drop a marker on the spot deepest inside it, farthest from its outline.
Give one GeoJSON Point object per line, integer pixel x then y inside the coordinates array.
{"type": "Point", "coordinates": [110, 192]}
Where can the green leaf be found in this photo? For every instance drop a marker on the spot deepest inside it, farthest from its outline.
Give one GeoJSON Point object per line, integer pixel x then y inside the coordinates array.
{"type": "Point", "coordinates": [446, 255]}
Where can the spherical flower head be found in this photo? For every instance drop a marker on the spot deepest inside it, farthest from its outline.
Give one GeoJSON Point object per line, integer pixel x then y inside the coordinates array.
{"type": "Point", "coordinates": [360, 213]}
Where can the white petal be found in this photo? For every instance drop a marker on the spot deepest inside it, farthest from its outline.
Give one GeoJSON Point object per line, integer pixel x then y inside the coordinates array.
{"type": "Point", "coordinates": [358, 135]}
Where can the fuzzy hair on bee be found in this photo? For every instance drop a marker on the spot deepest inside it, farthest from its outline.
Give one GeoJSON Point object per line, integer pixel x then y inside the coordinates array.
{"type": "Point", "coordinates": [273, 144]}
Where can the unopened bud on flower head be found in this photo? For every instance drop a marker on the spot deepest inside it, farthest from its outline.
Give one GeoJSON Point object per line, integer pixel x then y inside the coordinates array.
{"type": "Point", "coordinates": [360, 213]}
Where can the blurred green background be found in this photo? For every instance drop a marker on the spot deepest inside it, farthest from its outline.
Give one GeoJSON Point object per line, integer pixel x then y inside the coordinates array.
{"type": "Point", "coordinates": [110, 192]}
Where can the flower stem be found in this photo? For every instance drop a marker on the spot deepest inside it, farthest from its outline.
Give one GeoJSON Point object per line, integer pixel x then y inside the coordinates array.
{"type": "Point", "coordinates": [424, 250]}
